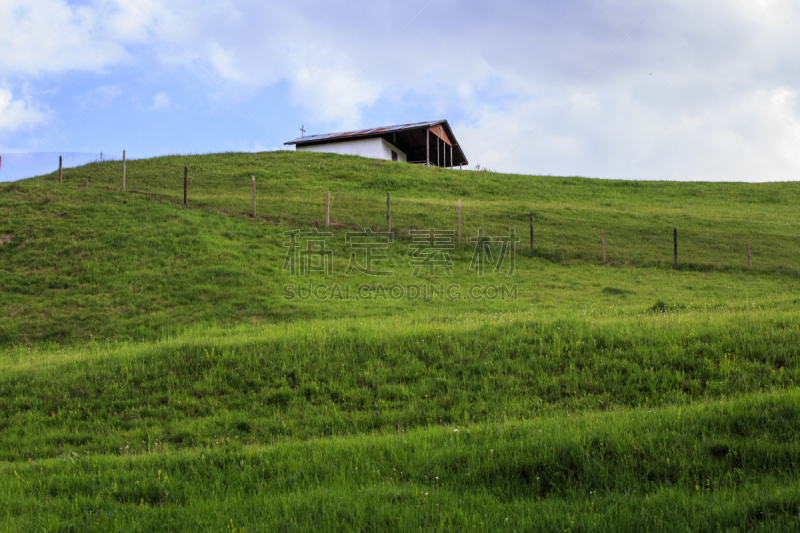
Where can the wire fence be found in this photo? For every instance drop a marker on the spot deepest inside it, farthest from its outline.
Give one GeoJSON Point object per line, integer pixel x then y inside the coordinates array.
{"type": "Point", "coordinates": [280, 197]}
{"type": "Point", "coordinates": [21, 165]}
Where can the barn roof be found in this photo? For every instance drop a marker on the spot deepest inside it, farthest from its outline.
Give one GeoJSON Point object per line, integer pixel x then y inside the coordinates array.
{"type": "Point", "coordinates": [410, 138]}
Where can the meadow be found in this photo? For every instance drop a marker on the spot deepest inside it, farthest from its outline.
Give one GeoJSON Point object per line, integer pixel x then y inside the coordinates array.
{"type": "Point", "coordinates": [155, 377]}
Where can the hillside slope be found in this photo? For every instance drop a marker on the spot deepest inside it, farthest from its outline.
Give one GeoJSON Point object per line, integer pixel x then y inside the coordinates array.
{"type": "Point", "coordinates": [166, 367]}
{"type": "Point", "coordinates": [83, 258]}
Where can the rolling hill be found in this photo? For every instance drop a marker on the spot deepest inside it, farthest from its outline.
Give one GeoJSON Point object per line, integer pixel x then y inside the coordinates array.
{"type": "Point", "coordinates": [162, 369]}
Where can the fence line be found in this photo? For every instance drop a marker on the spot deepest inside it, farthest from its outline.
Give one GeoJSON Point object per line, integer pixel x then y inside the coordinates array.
{"type": "Point", "coordinates": [21, 165]}
{"type": "Point", "coordinates": [388, 210]}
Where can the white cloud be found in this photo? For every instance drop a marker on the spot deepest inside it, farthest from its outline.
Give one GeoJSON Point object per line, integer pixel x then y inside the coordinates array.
{"type": "Point", "coordinates": [258, 147]}
{"type": "Point", "coordinates": [160, 101]}
{"type": "Point", "coordinates": [18, 114]}
{"type": "Point", "coordinates": [297, 44]}
{"type": "Point", "coordinates": [697, 90]}
{"type": "Point", "coordinates": [53, 36]}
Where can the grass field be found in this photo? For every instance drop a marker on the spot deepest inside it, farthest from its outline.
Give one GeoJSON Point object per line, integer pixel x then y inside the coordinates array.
{"type": "Point", "coordinates": [154, 375]}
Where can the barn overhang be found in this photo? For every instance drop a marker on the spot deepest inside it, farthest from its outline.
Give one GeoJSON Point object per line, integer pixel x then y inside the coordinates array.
{"type": "Point", "coordinates": [425, 143]}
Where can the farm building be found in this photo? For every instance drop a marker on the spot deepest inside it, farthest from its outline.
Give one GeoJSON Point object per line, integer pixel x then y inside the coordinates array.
{"type": "Point", "coordinates": [423, 143]}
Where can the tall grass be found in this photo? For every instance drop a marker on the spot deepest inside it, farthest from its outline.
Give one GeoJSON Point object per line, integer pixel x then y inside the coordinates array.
{"type": "Point", "coordinates": [716, 465]}
{"type": "Point", "coordinates": [345, 377]}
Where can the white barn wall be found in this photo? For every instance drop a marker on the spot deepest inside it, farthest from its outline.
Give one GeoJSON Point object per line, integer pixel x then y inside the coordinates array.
{"type": "Point", "coordinates": [375, 148]}
{"type": "Point", "coordinates": [387, 147]}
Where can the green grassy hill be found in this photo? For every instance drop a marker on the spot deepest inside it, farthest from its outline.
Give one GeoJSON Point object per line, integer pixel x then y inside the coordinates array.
{"type": "Point", "coordinates": [84, 259]}
{"type": "Point", "coordinates": [154, 375]}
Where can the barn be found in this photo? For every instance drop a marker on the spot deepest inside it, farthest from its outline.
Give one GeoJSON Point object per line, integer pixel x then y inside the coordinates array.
{"type": "Point", "coordinates": [423, 143]}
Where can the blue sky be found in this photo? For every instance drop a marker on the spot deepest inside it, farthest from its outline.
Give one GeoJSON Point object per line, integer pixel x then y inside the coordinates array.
{"type": "Point", "coordinates": [670, 89]}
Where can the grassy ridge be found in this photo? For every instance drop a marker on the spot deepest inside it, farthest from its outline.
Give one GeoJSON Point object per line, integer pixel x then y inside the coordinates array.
{"type": "Point", "coordinates": [154, 377]}
{"type": "Point", "coordinates": [287, 383]}
{"type": "Point", "coordinates": [84, 259]}
{"type": "Point", "coordinates": [718, 465]}
{"type": "Point", "coordinates": [714, 219]}
{"type": "Point", "coordinates": [656, 422]}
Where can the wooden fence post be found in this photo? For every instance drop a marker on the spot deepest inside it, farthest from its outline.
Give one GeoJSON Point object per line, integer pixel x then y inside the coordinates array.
{"type": "Point", "coordinates": [531, 230]}
{"type": "Point", "coordinates": [459, 221]}
{"type": "Point", "coordinates": [60, 168]}
{"type": "Point", "coordinates": [253, 179]}
{"type": "Point", "coordinates": [123, 170]}
{"type": "Point", "coordinates": [388, 214]}
{"type": "Point", "coordinates": [327, 208]}
{"type": "Point", "coordinates": [603, 244]}
{"type": "Point", "coordinates": [185, 183]}
{"type": "Point", "coordinates": [675, 245]}
{"type": "Point", "coordinates": [749, 257]}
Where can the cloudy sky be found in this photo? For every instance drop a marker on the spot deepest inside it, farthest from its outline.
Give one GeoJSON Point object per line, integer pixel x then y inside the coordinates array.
{"type": "Point", "coordinates": [669, 89]}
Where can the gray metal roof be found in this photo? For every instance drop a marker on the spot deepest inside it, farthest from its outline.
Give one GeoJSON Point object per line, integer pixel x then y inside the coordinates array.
{"type": "Point", "coordinates": [364, 133]}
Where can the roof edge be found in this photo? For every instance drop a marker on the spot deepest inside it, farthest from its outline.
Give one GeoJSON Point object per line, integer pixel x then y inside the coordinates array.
{"type": "Point", "coordinates": [367, 132]}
